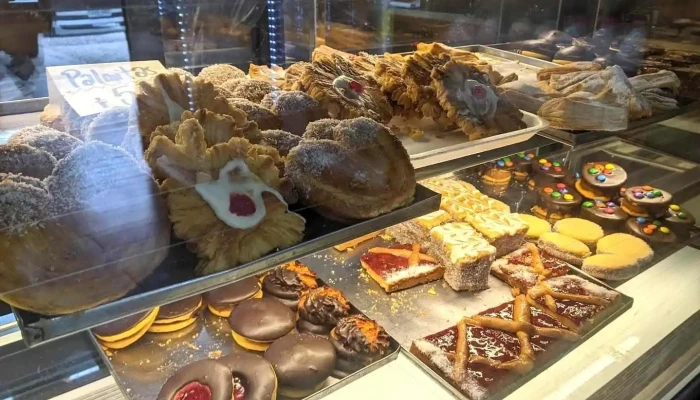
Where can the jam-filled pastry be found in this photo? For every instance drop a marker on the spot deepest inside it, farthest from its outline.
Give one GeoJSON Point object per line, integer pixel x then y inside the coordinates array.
{"type": "Point", "coordinates": [320, 310]}
{"type": "Point", "coordinates": [292, 76]}
{"type": "Point", "coordinates": [273, 74]}
{"type": "Point", "coordinates": [471, 101]}
{"type": "Point", "coordinates": [226, 201]}
{"type": "Point", "coordinates": [358, 341]}
{"type": "Point", "coordinates": [401, 267]}
{"type": "Point", "coordinates": [526, 266]}
{"type": "Point", "coordinates": [203, 379]}
{"type": "Point", "coordinates": [345, 91]}
{"type": "Point", "coordinates": [288, 282]}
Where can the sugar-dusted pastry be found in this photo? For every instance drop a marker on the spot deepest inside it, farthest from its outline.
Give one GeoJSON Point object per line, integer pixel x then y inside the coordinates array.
{"type": "Point", "coordinates": [320, 310]}
{"type": "Point", "coordinates": [22, 159]}
{"type": "Point", "coordinates": [321, 129]}
{"type": "Point", "coordinates": [220, 73]}
{"type": "Point", "coordinates": [651, 231]}
{"type": "Point", "coordinates": [203, 379]}
{"type": "Point", "coordinates": [586, 231]}
{"type": "Point", "coordinates": [273, 74]}
{"type": "Point", "coordinates": [261, 115]}
{"type": "Point", "coordinates": [535, 227]}
{"type": "Point", "coordinates": [545, 73]}
{"type": "Point", "coordinates": [283, 141]}
{"type": "Point", "coordinates": [223, 196]}
{"type": "Point", "coordinates": [626, 245]}
{"type": "Point", "coordinates": [466, 255]}
{"type": "Point", "coordinates": [607, 214]}
{"type": "Point", "coordinates": [296, 110]}
{"type": "Point", "coordinates": [561, 246]}
{"type": "Point", "coordinates": [56, 143]}
{"type": "Point", "coordinates": [505, 231]}
{"type": "Point", "coordinates": [611, 267]}
{"type": "Point", "coordinates": [646, 201]}
{"type": "Point", "coordinates": [177, 315]}
{"type": "Point", "coordinates": [223, 300]}
{"type": "Point", "coordinates": [400, 267]}
{"type": "Point", "coordinates": [679, 220]}
{"type": "Point", "coordinates": [126, 331]}
{"type": "Point", "coordinates": [526, 266]}
{"type": "Point", "coordinates": [601, 180]}
{"type": "Point", "coordinates": [417, 230]}
{"type": "Point", "coordinates": [358, 342]}
{"type": "Point", "coordinates": [118, 127]}
{"type": "Point", "coordinates": [256, 323]}
{"type": "Point", "coordinates": [363, 172]}
{"type": "Point", "coordinates": [288, 282]}
{"type": "Point", "coordinates": [249, 89]}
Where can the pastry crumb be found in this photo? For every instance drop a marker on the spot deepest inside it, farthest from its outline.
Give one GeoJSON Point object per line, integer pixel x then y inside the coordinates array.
{"type": "Point", "coordinates": [432, 291]}
{"type": "Point", "coordinates": [215, 354]}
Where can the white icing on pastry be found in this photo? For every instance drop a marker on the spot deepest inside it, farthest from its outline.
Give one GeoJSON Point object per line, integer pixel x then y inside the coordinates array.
{"type": "Point", "coordinates": [236, 178]}
{"type": "Point", "coordinates": [174, 109]}
{"type": "Point", "coordinates": [480, 100]}
{"type": "Point", "coordinates": [348, 88]}
{"type": "Point", "coordinates": [462, 242]}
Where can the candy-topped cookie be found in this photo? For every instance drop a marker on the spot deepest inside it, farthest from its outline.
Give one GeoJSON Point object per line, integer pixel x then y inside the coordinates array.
{"type": "Point", "coordinates": [679, 220]}
{"type": "Point", "coordinates": [522, 165]}
{"type": "Point", "coordinates": [556, 202]}
{"type": "Point", "coordinates": [601, 180]}
{"type": "Point", "coordinates": [652, 231]}
{"type": "Point", "coordinates": [497, 172]}
{"type": "Point", "coordinates": [607, 214]}
{"type": "Point", "coordinates": [646, 201]}
{"type": "Point", "coordinates": [552, 168]}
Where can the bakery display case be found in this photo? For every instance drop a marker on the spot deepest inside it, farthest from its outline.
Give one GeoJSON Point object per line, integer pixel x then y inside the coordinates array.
{"type": "Point", "coordinates": [338, 199]}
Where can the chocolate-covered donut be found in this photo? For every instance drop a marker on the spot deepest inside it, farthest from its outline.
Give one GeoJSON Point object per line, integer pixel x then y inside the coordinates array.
{"type": "Point", "coordinates": [255, 323]}
{"type": "Point", "coordinates": [201, 380]}
{"type": "Point", "coordinates": [679, 220]}
{"type": "Point", "coordinates": [601, 180]}
{"type": "Point", "coordinates": [320, 310]}
{"type": "Point", "coordinates": [646, 201]}
{"type": "Point", "coordinates": [221, 301]}
{"type": "Point", "coordinates": [606, 214]}
{"type": "Point", "coordinates": [179, 308]}
{"type": "Point", "coordinates": [302, 363]}
{"type": "Point", "coordinates": [359, 341]}
{"type": "Point", "coordinates": [121, 325]}
{"type": "Point", "coordinates": [287, 282]}
{"type": "Point", "coordinates": [651, 231]}
{"type": "Point", "coordinates": [253, 376]}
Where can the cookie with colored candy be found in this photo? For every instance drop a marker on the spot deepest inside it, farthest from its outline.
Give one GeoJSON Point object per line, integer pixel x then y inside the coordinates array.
{"type": "Point", "coordinates": [551, 168]}
{"type": "Point", "coordinates": [607, 214]}
{"type": "Point", "coordinates": [651, 231]}
{"type": "Point", "coordinates": [646, 201]}
{"type": "Point", "coordinates": [601, 180]}
{"type": "Point", "coordinates": [497, 173]}
{"type": "Point", "coordinates": [537, 182]}
{"type": "Point", "coordinates": [679, 220]}
{"type": "Point", "coordinates": [557, 202]}
{"type": "Point", "coordinates": [522, 165]}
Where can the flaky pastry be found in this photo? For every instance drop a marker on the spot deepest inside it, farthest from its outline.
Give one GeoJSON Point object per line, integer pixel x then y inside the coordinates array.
{"type": "Point", "coordinates": [273, 74]}
{"type": "Point", "coordinates": [416, 73]}
{"type": "Point", "coordinates": [292, 76]}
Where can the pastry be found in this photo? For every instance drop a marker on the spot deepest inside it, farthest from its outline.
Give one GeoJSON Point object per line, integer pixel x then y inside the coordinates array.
{"type": "Point", "coordinates": [526, 266]}
{"type": "Point", "coordinates": [302, 363]}
{"type": "Point", "coordinates": [388, 71]}
{"type": "Point", "coordinates": [626, 245]}
{"type": "Point", "coordinates": [257, 113]}
{"type": "Point", "coordinates": [573, 301]}
{"type": "Point", "coordinates": [282, 141]}
{"type": "Point", "coordinates": [57, 229]}
{"type": "Point", "coordinates": [295, 109]}
{"type": "Point", "coordinates": [679, 220]}
{"type": "Point", "coordinates": [557, 202]}
{"type": "Point", "coordinates": [610, 267]}
{"type": "Point", "coordinates": [344, 91]}
{"type": "Point", "coordinates": [646, 201]}
{"type": "Point", "coordinates": [464, 253]}
{"type": "Point", "coordinates": [320, 310]}
{"type": "Point", "coordinates": [253, 376]}
{"type": "Point", "coordinates": [416, 73]}
{"type": "Point", "coordinates": [417, 230]}
{"type": "Point", "coordinates": [454, 53]}
{"type": "Point", "coordinates": [505, 231]}
{"type": "Point", "coordinates": [203, 379]}
{"type": "Point", "coordinates": [249, 89]}
{"type": "Point", "coordinates": [476, 203]}
{"type": "Point", "coordinates": [57, 144]}
{"type": "Point", "coordinates": [601, 181]}
{"type": "Point", "coordinates": [561, 246]}
{"type": "Point", "coordinates": [556, 37]}
{"type": "Point", "coordinates": [551, 168]}
{"type": "Point", "coordinates": [321, 129]}
{"type": "Point", "coordinates": [273, 74]}
{"type": "Point", "coordinates": [545, 73]}
{"type": "Point", "coordinates": [256, 323]}
{"type": "Point", "coordinates": [51, 118]}
{"type": "Point", "coordinates": [362, 173]}
{"type": "Point", "coordinates": [450, 187]}
{"type": "Point", "coordinates": [400, 267]}
{"type": "Point", "coordinates": [223, 196]}
{"type": "Point", "coordinates": [571, 54]}
{"type": "Point", "coordinates": [177, 315]}
{"type": "Point", "coordinates": [538, 48]}
{"type": "Point", "coordinates": [126, 331]}
{"type": "Point", "coordinates": [497, 173]}
{"type": "Point", "coordinates": [586, 231]}
{"type": "Point", "coordinates": [535, 227]}
{"type": "Point", "coordinates": [218, 74]}
{"type": "Point", "coordinates": [536, 182]}
{"type": "Point", "coordinates": [651, 231]}
{"type": "Point", "coordinates": [350, 244]}
{"type": "Point", "coordinates": [358, 342]}
{"type": "Point", "coordinates": [288, 282]}
{"type": "Point", "coordinates": [117, 127]}
{"type": "Point", "coordinates": [482, 112]}
{"type": "Point", "coordinates": [522, 165]}
{"type": "Point", "coordinates": [293, 74]}
{"type": "Point", "coordinates": [223, 300]}
{"type": "Point", "coordinates": [608, 215]}
{"type": "Point", "coordinates": [581, 111]}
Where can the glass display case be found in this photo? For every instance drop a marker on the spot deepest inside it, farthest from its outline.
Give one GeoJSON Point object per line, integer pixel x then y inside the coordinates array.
{"type": "Point", "coordinates": [338, 199]}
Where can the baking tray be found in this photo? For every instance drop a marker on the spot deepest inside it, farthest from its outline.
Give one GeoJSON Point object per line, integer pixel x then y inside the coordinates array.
{"type": "Point", "coordinates": [141, 370]}
{"type": "Point", "coordinates": [174, 279]}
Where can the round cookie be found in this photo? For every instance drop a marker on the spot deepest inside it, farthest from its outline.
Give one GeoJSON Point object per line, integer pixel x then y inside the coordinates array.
{"type": "Point", "coordinates": [611, 267]}
{"type": "Point", "coordinates": [536, 227]}
{"type": "Point", "coordinates": [679, 220]}
{"type": "Point", "coordinates": [522, 166]}
{"type": "Point", "coordinates": [177, 315]}
{"type": "Point", "coordinates": [646, 201]}
{"type": "Point", "coordinates": [497, 173]}
{"type": "Point", "coordinates": [320, 310]}
{"type": "Point", "coordinates": [601, 181]}
{"type": "Point", "coordinates": [625, 245]}
{"type": "Point", "coordinates": [125, 331]}
{"type": "Point", "coordinates": [255, 323]}
{"type": "Point", "coordinates": [302, 363]}
{"type": "Point", "coordinates": [606, 214]}
{"type": "Point", "coordinates": [557, 202]}
{"type": "Point", "coordinates": [223, 300]}
{"type": "Point", "coordinates": [586, 231]}
{"type": "Point", "coordinates": [564, 247]}
{"type": "Point", "coordinates": [651, 231]}
{"type": "Point", "coordinates": [253, 376]}
{"type": "Point", "coordinates": [287, 282]}
{"type": "Point", "coordinates": [203, 379]}
{"type": "Point", "coordinates": [550, 168]}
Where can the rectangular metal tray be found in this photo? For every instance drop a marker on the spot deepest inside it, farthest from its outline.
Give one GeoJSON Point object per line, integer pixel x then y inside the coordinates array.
{"type": "Point", "coordinates": [174, 279]}
{"type": "Point", "coordinates": [141, 370]}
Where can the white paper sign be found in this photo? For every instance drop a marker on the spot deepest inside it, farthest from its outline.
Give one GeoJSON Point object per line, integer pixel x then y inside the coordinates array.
{"type": "Point", "coordinates": [92, 88]}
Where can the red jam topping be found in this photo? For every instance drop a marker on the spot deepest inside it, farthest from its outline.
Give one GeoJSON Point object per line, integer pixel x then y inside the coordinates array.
{"type": "Point", "coordinates": [193, 391]}
{"type": "Point", "coordinates": [386, 264]}
{"type": "Point", "coordinates": [238, 389]}
{"type": "Point", "coordinates": [240, 204]}
{"type": "Point", "coordinates": [479, 92]}
{"type": "Point", "coordinates": [356, 87]}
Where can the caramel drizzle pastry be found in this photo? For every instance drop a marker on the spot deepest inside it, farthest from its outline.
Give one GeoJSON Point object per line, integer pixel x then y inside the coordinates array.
{"type": "Point", "coordinates": [416, 73]}
{"type": "Point", "coordinates": [388, 71]}
{"type": "Point", "coordinates": [292, 76]}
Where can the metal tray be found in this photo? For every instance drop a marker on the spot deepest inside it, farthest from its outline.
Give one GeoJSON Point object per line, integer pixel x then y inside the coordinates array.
{"type": "Point", "coordinates": [174, 279]}
{"type": "Point", "coordinates": [141, 370]}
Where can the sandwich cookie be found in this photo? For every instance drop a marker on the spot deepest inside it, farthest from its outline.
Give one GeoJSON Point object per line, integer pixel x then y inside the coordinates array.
{"type": "Point", "coordinates": [564, 247]}
{"type": "Point", "coordinates": [651, 231]}
{"type": "Point", "coordinates": [607, 214]}
{"type": "Point", "coordinates": [222, 301]}
{"type": "Point", "coordinates": [287, 282]}
{"type": "Point", "coordinates": [200, 380]}
{"type": "Point", "coordinates": [611, 267]}
{"type": "Point", "coordinates": [302, 363]}
{"type": "Point", "coordinates": [679, 220]}
{"type": "Point", "coordinates": [256, 323]}
{"type": "Point", "coordinates": [522, 166]}
{"type": "Point", "coordinates": [601, 181]}
{"type": "Point", "coordinates": [646, 201]}
{"type": "Point", "coordinates": [551, 168]}
{"type": "Point", "coordinates": [320, 310]}
{"type": "Point", "coordinates": [126, 331]}
{"type": "Point", "coordinates": [178, 315]}
{"type": "Point", "coordinates": [253, 376]}
{"type": "Point", "coordinates": [586, 231]}
{"type": "Point", "coordinates": [359, 342]}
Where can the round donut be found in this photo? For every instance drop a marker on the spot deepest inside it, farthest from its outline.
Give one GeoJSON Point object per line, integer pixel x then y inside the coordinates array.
{"type": "Point", "coordinates": [26, 160]}
{"type": "Point", "coordinates": [204, 379]}
{"type": "Point", "coordinates": [253, 376]}
{"type": "Point", "coordinates": [363, 172]}
{"type": "Point", "coordinates": [296, 109]}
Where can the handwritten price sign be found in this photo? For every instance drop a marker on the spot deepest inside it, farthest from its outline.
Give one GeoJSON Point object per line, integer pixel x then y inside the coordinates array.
{"type": "Point", "coordinates": [92, 88]}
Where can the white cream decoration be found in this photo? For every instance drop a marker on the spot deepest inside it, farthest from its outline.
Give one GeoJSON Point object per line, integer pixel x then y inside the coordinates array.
{"type": "Point", "coordinates": [479, 99]}
{"type": "Point", "coordinates": [236, 178]}
{"type": "Point", "coordinates": [174, 110]}
{"type": "Point", "coordinates": [344, 87]}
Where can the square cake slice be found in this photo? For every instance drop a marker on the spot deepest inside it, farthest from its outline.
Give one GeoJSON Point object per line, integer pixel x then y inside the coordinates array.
{"type": "Point", "coordinates": [526, 266]}
{"type": "Point", "coordinates": [401, 267]}
{"type": "Point", "coordinates": [505, 231]}
{"type": "Point", "coordinates": [466, 255]}
{"type": "Point", "coordinates": [418, 229]}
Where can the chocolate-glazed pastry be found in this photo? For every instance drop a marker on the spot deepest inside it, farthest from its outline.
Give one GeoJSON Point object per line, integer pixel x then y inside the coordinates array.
{"type": "Point", "coordinates": [253, 376]}
{"type": "Point", "coordinates": [538, 48]}
{"type": "Point", "coordinates": [256, 323]}
{"type": "Point", "coordinates": [557, 202]}
{"type": "Point", "coordinates": [177, 315]}
{"type": "Point", "coordinates": [302, 363]}
{"type": "Point", "coordinates": [551, 168]}
{"type": "Point", "coordinates": [651, 231]}
{"type": "Point", "coordinates": [287, 282]}
{"type": "Point", "coordinates": [223, 300]}
{"type": "Point", "coordinates": [679, 220]}
{"type": "Point", "coordinates": [125, 331]}
{"type": "Point", "coordinates": [320, 310]}
{"type": "Point", "coordinates": [606, 214]}
{"type": "Point", "coordinates": [556, 37]}
{"type": "Point", "coordinates": [601, 180]}
{"type": "Point", "coordinates": [572, 54]}
{"type": "Point", "coordinates": [522, 165]}
{"type": "Point", "coordinates": [646, 201]}
{"type": "Point", "coordinates": [359, 342]}
{"type": "Point", "coordinates": [204, 379]}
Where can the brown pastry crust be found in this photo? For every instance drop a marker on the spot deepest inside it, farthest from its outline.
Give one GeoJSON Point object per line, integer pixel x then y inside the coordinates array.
{"type": "Point", "coordinates": [388, 70]}
{"type": "Point", "coordinates": [416, 73]}
{"type": "Point", "coordinates": [401, 267]}
{"type": "Point", "coordinates": [273, 74]}
{"type": "Point", "coordinates": [296, 109]}
{"type": "Point", "coordinates": [292, 76]}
